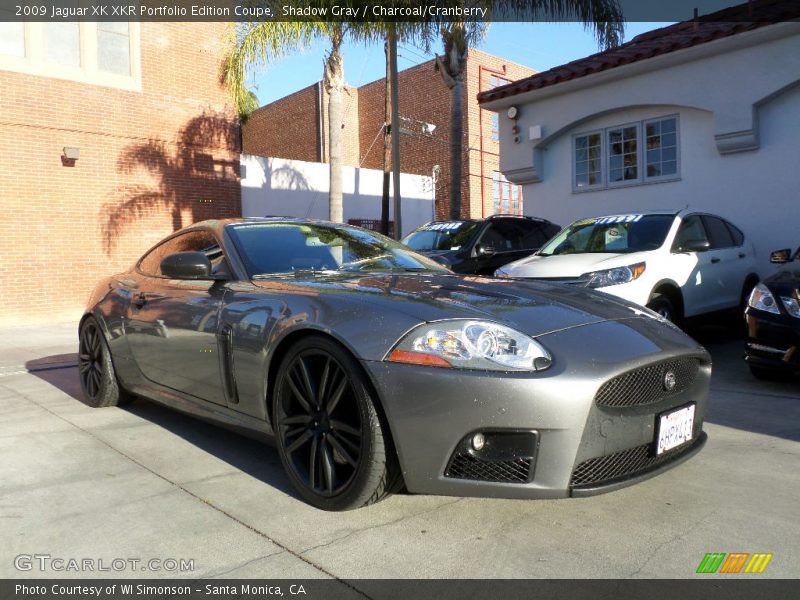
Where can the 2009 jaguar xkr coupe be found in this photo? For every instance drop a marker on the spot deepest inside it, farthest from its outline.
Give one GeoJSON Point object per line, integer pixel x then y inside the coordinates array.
{"type": "Point", "coordinates": [371, 366]}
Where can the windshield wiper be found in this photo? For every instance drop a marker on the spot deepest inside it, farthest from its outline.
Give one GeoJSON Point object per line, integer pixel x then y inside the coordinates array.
{"type": "Point", "coordinates": [296, 273]}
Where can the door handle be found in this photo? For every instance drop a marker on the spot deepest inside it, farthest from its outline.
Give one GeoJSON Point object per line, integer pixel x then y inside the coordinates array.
{"type": "Point", "coordinates": [141, 300]}
{"type": "Point", "coordinates": [742, 254]}
{"type": "Point", "coordinates": [714, 261]}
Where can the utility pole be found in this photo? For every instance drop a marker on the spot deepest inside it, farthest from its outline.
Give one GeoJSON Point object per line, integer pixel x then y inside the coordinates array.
{"type": "Point", "coordinates": [387, 148]}
{"type": "Point", "coordinates": [395, 132]}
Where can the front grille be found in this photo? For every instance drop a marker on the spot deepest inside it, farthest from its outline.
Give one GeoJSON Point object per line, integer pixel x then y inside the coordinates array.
{"type": "Point", "coordinates": [646, 385]}
{"type": "Point", "coordinates": [464, 465]}
{"type": "Point", "coordinates": [627, 463]}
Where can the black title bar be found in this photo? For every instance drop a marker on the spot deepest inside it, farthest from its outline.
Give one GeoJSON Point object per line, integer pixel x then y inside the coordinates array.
{"type": "Point", "coordinates": [372, 11]}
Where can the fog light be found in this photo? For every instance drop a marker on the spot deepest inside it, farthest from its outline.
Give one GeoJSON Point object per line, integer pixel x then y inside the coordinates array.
{"type": "Point", "coordinates": [478, 441]}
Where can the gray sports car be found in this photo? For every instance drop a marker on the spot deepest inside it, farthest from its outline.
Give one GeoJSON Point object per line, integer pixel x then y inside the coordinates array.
{"type": "Point", "coordinates": [372, 367]}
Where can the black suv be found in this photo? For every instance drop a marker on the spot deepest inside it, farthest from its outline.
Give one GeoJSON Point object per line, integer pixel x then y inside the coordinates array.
{"type": "Point", "coordinates": [481, 246]}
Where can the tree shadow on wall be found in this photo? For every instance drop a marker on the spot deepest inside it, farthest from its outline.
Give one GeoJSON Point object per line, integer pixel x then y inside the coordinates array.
{"type": "Point", "coordinates": [194, 174]}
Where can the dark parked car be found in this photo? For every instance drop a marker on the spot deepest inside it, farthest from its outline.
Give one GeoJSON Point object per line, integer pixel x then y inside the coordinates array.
{"type": "Point", "coordinates": [773, 320]}
{"type": "Point", "coordinates": [479, 247]}
{"type": "Point", "coordinates": [371, 366]}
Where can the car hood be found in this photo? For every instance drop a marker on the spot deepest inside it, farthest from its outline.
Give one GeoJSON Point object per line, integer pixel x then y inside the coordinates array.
{"type": "Point", "coordinates": [785, 280]}
{"type": "Point", "coordinates": [563, 266]}
{"type": "Point", "coordinates": [533, 307]}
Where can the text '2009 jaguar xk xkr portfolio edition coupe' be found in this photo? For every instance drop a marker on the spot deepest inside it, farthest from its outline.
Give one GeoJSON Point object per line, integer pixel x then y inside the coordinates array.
{"type": "Point", "coordinates": [372, 367]}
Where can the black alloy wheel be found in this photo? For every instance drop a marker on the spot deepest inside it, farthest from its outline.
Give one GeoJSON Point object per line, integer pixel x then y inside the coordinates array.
{"type": "Point", "coordinates": [329, 435]}
{"type": "Point", "coordinates": [96, 370]}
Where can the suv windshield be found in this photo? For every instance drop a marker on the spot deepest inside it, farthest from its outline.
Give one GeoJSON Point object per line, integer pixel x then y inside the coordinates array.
{"type": "Point", "coordinates": [450, 235]}
{"type": "Point", "coordinates": [270, 248]}
{"type": "Point", "coordinates": [616, 234]}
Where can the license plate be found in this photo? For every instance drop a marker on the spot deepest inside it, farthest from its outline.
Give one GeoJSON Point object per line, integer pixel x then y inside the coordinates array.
{"type": "Point", "coordinates": [675, 428]}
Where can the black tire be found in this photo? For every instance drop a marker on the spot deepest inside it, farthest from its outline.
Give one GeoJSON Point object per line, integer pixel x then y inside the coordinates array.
{"type": "Point", "coordinates": [747, 289]}
{"type": "Point", "coordinates": [663, 306]}
{"type": "Point", "coordinates": [330, 438]}
{"type": "Point", "coordinates": [96, 370]}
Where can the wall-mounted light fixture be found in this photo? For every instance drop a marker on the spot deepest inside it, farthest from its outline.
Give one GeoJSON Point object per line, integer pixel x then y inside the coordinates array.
{"type": "Point", "coordinates": [72, 152]}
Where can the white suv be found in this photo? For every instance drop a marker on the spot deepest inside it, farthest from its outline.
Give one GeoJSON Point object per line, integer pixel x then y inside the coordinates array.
{"type": "Point", "coordinates": [679, 264]}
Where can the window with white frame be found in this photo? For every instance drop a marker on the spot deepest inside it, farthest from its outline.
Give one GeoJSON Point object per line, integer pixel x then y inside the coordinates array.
{"type": "Point", "coordinates": [586, 158]}
{"type": "Point", "coordinates": [641, 152]}
{"type": "Point", "coordinates": [623, 154]}
{"type": "Point", "coordinates": [97, 53]}
{"type": "Point", "coordinates": [661, 143]}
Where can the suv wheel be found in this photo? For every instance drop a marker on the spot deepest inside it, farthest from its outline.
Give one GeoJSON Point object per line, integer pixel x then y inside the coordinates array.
{"type": "Point", "coordinates": [663, 306]}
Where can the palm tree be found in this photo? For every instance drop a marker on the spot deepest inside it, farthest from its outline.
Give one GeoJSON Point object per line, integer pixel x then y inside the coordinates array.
{"type": "Point", "coordinates": [257, 43]}
{"type": "Point", "coordinates": [602, 17]}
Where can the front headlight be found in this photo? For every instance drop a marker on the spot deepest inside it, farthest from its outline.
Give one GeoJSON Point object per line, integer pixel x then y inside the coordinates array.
{"type": "Point", "coordinates": [615, 276]}
{"type": "Point", "coordinates": [762, 299]}
{"type": "Point", "coordinates": [501, 273]}
{"type": "Point", "coordinates": [792, 306]}
{"type": "Point", "coordinates": [471, 345]}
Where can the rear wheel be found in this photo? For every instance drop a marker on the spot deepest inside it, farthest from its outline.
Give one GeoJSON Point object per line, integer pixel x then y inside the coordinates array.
{"type": "Point", "coordinates": [330, 438]}
{"type": "Point", "coordinates": [96, 370]}
{"type": "Point", "coordinates": [662, 305]}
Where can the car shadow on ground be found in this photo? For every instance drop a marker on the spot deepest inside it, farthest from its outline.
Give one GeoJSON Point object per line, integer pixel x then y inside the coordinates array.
{"type": "Point", "coordinates": [738, 399]}
{"type": "Point", "coordinates": [254, 457]}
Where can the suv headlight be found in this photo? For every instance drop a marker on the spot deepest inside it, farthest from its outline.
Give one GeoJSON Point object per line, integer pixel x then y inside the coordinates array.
{"type": "Point", "coordinates": [614, 276]}
{"type": "Point", "coordinates": [762, 299]}
{"type": "Point", "coordinates": [471, 345]}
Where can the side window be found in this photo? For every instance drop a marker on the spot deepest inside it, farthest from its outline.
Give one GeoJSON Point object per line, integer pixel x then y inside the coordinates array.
{"type": "Point", "coordinates": [691, 229]}
{"type": "Point", "coordinates": [507, 235]}
{"type": "Point", "coordinates": [533, 237]}
{"type": "Point", "coordinates": [718, 233]}
{"type": "Point", "coordinates": [192, 241]}
{"type": "Point", "coordinates": [736, 234]}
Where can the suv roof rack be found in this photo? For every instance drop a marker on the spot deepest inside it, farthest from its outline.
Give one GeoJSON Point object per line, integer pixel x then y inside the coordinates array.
{"type": "Point", "coordinates": [506, 215]}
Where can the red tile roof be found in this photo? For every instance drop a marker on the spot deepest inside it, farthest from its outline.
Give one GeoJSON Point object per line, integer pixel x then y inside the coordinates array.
{"type": "Point", "coordinates": [723, 23]}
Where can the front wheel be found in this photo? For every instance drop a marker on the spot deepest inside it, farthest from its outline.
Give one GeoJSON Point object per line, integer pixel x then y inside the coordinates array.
{"type": "Point", "coordinates": [662, 305]}
{"type": "Point", "coordinates": [330, 438]}
{"type": "Point", "coordinates": [96, 370]}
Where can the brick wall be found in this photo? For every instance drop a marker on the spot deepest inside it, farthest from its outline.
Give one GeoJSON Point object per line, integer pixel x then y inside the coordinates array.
{"type": "Point", "coordinates": [484, 153]}
{"type": "Point", "coordinates": [423, 98]}
{"type": "Point", "coordinates": [290, 127]}
{"type": "Point", "coordinates": [151, 161]}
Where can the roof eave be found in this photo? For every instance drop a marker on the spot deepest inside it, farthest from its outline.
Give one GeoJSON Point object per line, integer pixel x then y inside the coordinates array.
{"type": "Point", "coordinates": [662, 61]}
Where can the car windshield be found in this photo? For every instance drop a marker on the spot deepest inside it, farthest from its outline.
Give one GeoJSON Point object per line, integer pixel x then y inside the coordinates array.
{"type": "Point", "coordinates": [617, 234]}
{"type": "Point", "coordinates": [450, 235]}
{"type": "Point", "coordinates": [272, 248]}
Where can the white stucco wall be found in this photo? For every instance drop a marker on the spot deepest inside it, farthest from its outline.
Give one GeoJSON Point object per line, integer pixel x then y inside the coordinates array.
{"type": "Point", "coordinates": [738, 102]}
{"type": "Point", "coordinates": [293, 188]}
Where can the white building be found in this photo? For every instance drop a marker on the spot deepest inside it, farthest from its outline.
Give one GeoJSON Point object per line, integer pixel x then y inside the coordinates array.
{"type": "Point", "coordinates": [705, 114]}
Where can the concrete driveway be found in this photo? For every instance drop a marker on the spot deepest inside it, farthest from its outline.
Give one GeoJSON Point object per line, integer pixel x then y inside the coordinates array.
{"type": "Point", "coordinates": [144, 482]}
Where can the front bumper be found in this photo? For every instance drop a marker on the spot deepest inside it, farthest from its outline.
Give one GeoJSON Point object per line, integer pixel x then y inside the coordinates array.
{"type": "Point", "coordinates": [772, 341]}
{"type": "Point", "coordinates": [432, 412]}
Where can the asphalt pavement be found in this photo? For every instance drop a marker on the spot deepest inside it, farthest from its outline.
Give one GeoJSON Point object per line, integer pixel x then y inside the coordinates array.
{"type": "Point", "coordinates": [144, 482]}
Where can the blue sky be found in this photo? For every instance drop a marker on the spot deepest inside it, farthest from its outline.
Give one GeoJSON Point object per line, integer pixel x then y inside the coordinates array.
{"type": "Point", "coordinates": [540, 46]}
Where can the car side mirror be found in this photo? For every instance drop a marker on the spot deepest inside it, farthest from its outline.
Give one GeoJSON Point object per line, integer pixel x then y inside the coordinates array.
{"type": "Point", "coordinates": [781, 257]}
{"type": "Point", "coordinates": [484, 250]}
{"type": "Point", "coordinates": [696, 245]}
{"type": "Point", "coordinates": [186, 265]}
